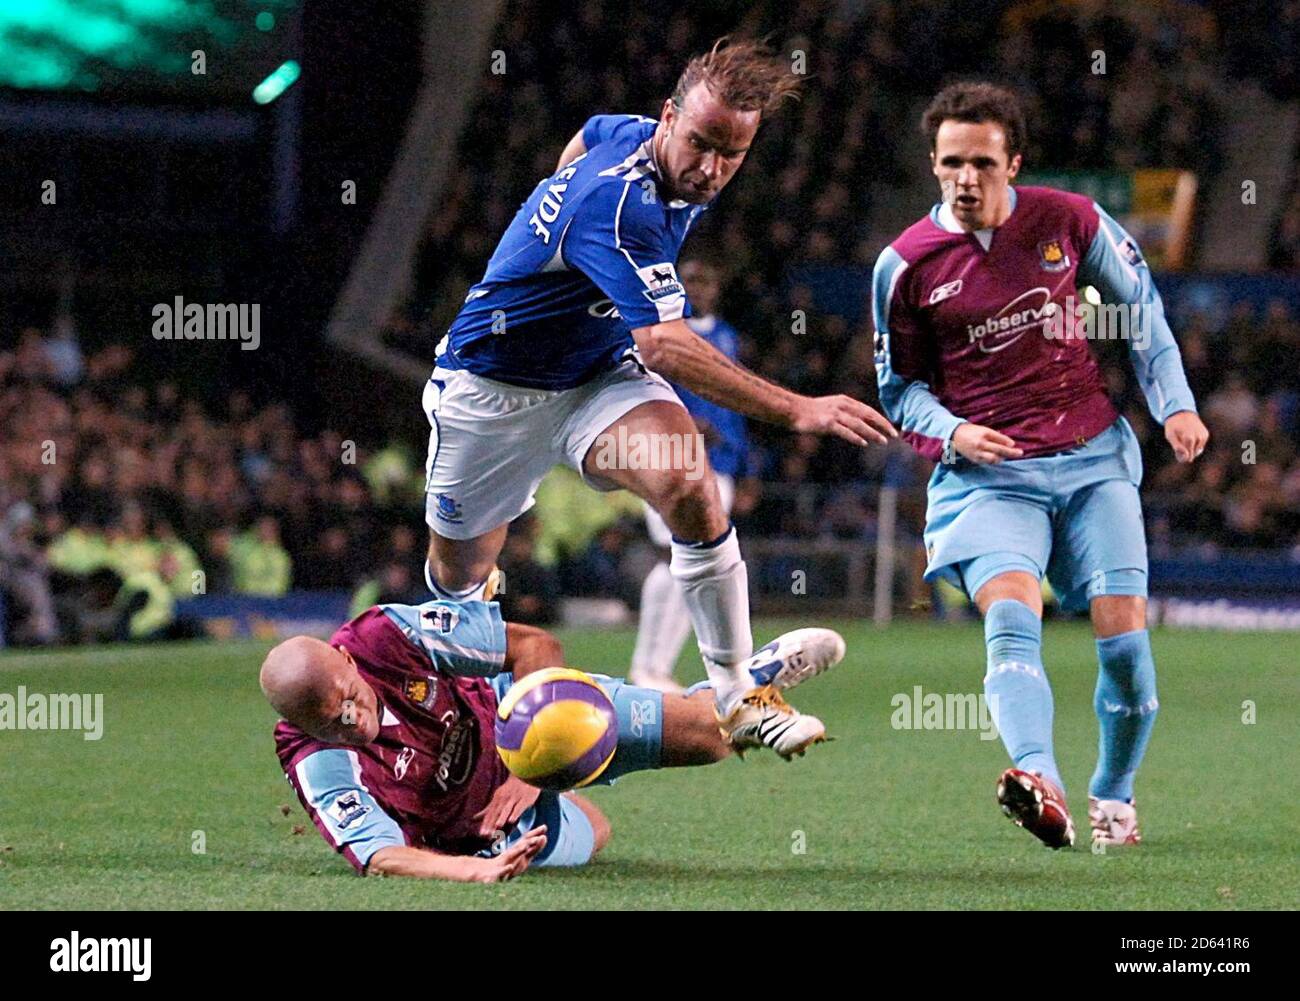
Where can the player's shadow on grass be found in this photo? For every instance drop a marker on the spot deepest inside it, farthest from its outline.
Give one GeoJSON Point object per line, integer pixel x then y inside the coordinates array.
{"type": "Point", "coordinates": [741, 872]}
{"type": "Point", "coordinates": [822, 874]}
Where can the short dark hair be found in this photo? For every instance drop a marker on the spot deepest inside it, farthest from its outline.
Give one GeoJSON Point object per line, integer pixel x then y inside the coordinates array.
{"type": "Point", "coordinates": [744, 74]}
{"type": "Point", "coordinates": [976, 101]}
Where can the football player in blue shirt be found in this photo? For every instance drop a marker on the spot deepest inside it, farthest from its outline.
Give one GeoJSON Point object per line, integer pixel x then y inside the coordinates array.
{"type": "Point", "coordinates": [560, 355]}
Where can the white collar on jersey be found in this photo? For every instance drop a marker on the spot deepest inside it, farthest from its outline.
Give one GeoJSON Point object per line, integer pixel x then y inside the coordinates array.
{"type": "Point", "coordinates": [948, 221]}
{"type": "Point", "coordinates": [389, 719]}
{"type": "Point", "coordinates": [702, 324]}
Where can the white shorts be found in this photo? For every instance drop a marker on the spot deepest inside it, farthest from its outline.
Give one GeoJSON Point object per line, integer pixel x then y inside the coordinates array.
{"type": "Point", "coordinates": [491, 443]}
{"type": "Point", "coordinates": [661, 535]}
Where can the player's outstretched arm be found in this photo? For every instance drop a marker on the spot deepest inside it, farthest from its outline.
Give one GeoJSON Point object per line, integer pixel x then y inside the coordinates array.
{"type": "Point", "coordinates": [421, 863]}
{"type": "Point", "coordinates": [680, 355]}
{"type": "Point", "coordinates": [622, 244]}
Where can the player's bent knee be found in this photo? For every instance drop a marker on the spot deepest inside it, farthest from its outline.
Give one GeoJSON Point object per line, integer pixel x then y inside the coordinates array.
{"type": "Point", "coordinates": [1115, 614]}
{"type": "Point", "coordinates": [692, 508]}
{"type": "Point", "coordinates": [1016, 585]}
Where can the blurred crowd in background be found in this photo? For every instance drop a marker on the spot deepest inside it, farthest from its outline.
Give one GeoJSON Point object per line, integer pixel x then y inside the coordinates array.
{"type": "Point", "coordinates": [808, 188]}
{"type": "Point", "coordinates": [120, 496]}
{"type": "Point", "coordinates": [118, 499]}
{"type": "Point", "coordinates": [127, 496]}
{"type": "Point", "coordinates": [810, 183]}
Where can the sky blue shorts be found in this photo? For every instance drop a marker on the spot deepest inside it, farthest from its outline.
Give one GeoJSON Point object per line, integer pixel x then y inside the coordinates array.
{"type": "Point", "coordinates": [1075, 517]}
{"type": "Point", "coordinates": [570, 839]}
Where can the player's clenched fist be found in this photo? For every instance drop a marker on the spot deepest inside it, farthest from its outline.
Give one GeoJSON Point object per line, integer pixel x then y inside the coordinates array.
{"type": "Point", "coordinates": [984, 445]}
{"type": "Point", "coordinates": [1188, 436]}
{"type": "Point", "coordinates": [845, 417]}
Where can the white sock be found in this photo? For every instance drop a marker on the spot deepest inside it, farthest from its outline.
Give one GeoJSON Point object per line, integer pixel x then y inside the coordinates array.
{"type": "Point", "coordinates": [664, 625]}
{"type": "Point", "coordinates": [715, 587]}
{"type": "Point", "coordinates": [474, 593]}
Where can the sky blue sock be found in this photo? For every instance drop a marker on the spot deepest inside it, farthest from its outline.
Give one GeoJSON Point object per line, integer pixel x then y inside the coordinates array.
{"type": "Point", "coordinates": [1019, 697]}
{"type": "Point", "coordinates": [1126, 707]}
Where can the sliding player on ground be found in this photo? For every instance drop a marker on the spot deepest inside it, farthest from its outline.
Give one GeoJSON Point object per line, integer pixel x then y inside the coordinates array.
{"type": "Point", "coordinates": [388, 738]}
{"type": "Point", "coordinates": [983, 362]}
{"type": "Point", "coordinates": [664, 621]}
{"type": "Point", "coordinates": [568, 339]}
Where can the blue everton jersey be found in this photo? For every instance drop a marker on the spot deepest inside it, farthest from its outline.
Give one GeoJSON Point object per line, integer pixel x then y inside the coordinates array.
{"type": "Point", "coordinates": [590, 256]}
{"type": "Point", "coordinates": [727, 437]}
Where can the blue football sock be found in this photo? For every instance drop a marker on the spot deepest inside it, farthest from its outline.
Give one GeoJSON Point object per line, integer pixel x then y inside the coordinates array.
{"type": "Point", "coordinates": [1019, 697]}
{"type": "Point", "coordinates": [1126, 707]}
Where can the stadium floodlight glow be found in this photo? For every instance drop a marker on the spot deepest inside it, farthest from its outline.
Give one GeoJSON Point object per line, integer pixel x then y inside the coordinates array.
{"type": "Point", "coordinates": [277, 83]}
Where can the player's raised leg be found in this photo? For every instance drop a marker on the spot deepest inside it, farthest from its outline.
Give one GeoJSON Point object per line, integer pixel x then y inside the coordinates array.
{"type": "Point", "coordinates": [705, 555]}
{"type": "Point", "coordinates": [662, 730]}
{"type": "Point", "coordinates": [1019, 696]}
{"type": "Point", "coordinates": [706, 562]}
{"type": "Point", "coordinates": [658, 730]}
{"type": "Point", "coordinates": [664, 622]}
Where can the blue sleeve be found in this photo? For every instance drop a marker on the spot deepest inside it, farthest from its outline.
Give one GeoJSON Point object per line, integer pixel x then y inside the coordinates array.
{"type": "Point", "coordinates": [341, 806]}
{"type": "Point", "coordinates": [904, 394]}
{"type": "Point", "coordinates": [466, 638]}
{"type": "Point", "coordinates": [601, 128]}
{"type": "Point", "coordinates": [1115, 265]}
{"type": "Point", "coordinates": [619, 239]}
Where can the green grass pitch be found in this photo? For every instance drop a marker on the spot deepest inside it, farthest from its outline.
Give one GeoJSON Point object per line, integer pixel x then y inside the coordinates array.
{"type": "Point", "coordinates": [879, 818]}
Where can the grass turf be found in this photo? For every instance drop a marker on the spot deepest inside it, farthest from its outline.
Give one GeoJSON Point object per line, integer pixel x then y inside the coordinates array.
{"type": "Point", "coordinates": [879, 818]}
